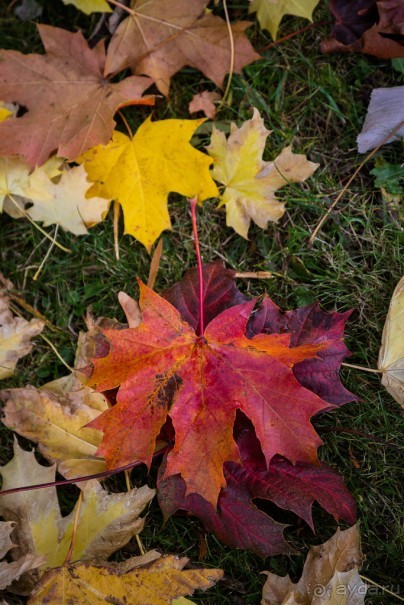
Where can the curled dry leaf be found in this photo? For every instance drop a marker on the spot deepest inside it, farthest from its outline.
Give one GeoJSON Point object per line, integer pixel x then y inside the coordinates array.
{"type": "Point", "coordinates": [106, 522]}
{"type": "Point", "coordinates": [160, 37]}
{"type": "Point", "coordinates": [155, 584]}
{"type": "Point", "coordinates": [70, 103]}
{"type": "Point", "coordinates": [141, 172]}
{"type": "Point", "coordinates": [12, 571]}
{"type": "Point", "coordinates": [205, 101]}
{"type": "Point", "coordinates": [270, 13]}
{"type": "Point", "coordinates": [15, 334]}
{"type": "Point", "coordinates": [250, 182]}
{"type": "Point", "coordinates": [391, 356]}
{"type": "Point", "coordinates": [330, 575]}
{"type": "Point", "coordinates": [385, 113]}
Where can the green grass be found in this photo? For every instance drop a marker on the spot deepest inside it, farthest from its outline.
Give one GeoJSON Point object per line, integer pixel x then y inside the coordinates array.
{"type": "Point", "coordinates": [317, 102]}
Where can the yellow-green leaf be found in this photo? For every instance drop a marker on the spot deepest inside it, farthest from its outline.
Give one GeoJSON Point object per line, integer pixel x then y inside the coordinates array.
{"type": "Point", "coordinates": [250, 182]}
{"type": "Point", "coordinates": [140, 173]}
{"type": "Point", "coordinates": [271, 12]}
{"type": "Point", "coordinates": [391, 356]}
{"type": "Point", "coordinates": [91, 6]}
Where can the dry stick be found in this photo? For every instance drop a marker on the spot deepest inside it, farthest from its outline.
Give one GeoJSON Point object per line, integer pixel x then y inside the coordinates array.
{"type": "Point", "coordinates": [232, 53]}
{"type": "Point", "coordinates": [22, 303]}
{"type": "Point", "coordinates": [45, 258]}
{"type": "Point", "coordinates": [394, 594]}
{"type": "Point", "coordinates": [74, 530]}
{"type": "Point", "coordinates": [101, 475]}
{"type": "Point", "coordinates": [255, 275]}
{"type": "Point", "coordinates": [117, 207]}
{"type": "Point", "coordinates": [371, 154]}
{"type": "Point", "coordinates": [193, 203]}
{"type": "Point", "coordinates": [37, 226]}
{"type": "Point", "coordinates": [292, 35]}
{"type": "Point", "coordinates": [155, 264]}
{"type": "Point", "coordinates": [355, 367]}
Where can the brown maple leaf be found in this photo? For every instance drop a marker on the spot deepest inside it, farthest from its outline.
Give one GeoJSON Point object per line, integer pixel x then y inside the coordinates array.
{"type": "Point", "coordinates": [160, 37]}
{"type": "Point", "coordinates": [164, 368]}
{"type": "Point", "coordinates": [69, 100]}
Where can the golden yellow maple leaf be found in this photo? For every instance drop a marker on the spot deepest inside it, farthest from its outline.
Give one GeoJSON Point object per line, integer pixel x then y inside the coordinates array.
{"type": "Point", "coordinates": [91, 6]}
{"type": "Point", "coordinates": [106, 522]}
{"type": "Point", "coordinates": [250, 182]}
{"type": "Point", "coordinates": [15, 334]}
{"type": "Point", "coordinates": [271, 12]}
{"type": "Point", "coordinates": [155, 584]}
{"type": "Point", "coordinates": [391, 356]}
{"type": "Point", "coordinates": [7, 110]}
{"type": "Point", "coordinates": [140, 173]}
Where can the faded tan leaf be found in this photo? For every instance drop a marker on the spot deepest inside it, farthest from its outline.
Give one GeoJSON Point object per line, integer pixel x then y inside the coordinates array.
{"type": "Point", "coordinates": [15, 335]}
{"type": "Point", "coordinates": [391, 355]}
{"type": "Point", "coordinates": [330, 572]}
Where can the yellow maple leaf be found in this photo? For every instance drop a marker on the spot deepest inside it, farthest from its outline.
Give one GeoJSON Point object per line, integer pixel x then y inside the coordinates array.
{"type": "Point", "coordinates": [91, 6]}
{"type": "Point", "coordinates": [271, 12]}
{"type": "Point", "coordinates": [7, 110]}
{"type": "Point", "coordinates": [155, 584]}
{"type": "Point", "coordinates": [250, 182]}
{"type": "Point", "coordinates": [391, 356]}
{"type": "Point", "coordinates": [106, 522]}
{"type": "Point", "coordinates": [140, 173]}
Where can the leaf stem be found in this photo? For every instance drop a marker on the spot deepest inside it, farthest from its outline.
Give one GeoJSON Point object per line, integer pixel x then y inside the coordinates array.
{"type": "Point", "coordinates": [355, 367]}
{"type": "Point", "coordinates": [74, 530]}
{"type": "Point", "coordinates": [381, 587]}
{"type": "Point", "coordinates": [193, 203]}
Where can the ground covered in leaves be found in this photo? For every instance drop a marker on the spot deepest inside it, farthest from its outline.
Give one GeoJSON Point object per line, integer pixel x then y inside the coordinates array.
{"type": "Point", "coordinates": [318, 103]}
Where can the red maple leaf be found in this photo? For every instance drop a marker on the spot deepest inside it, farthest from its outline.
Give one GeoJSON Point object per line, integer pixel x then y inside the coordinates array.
{"type": "Point", "coordinates": [164, 368]}
{"type": "Point", "coordinates": [238, 521]}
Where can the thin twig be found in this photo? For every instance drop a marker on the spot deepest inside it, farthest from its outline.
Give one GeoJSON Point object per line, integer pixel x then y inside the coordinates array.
{"type": "Point", "coordinates": [74, 530]}
{"type": "Point", "coordinates": [45, 258]}
{"type": "Point", "coordinates": [292, 35]}
{"type": "Point", "coordinates": [155, 264]}
{"type": "Point", "coordinates": [255, 275]}
{"type": "Point", "coordinates": [58, 355]}
{"type": "Point", "coordinates": [370, 155]}
{"type": "Point", "coordinates": [22, 303]}
{"type": "Point", "coordinates": [193, 203]}
{"type": "Point", "coordinates": [232, 54]}
{"type": "Point", "coordinates": [394, 594]}
{"type": "Point", "coordinates": [336, 429]}
{"type": "Point", "coordinates": [117, 208]}
{"type": "Point", "coordinates": [355, 367]}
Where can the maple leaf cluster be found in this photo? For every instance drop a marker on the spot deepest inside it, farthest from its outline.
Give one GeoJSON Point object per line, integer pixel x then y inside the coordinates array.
{"type": "Point", "coordinates": [233, 405]}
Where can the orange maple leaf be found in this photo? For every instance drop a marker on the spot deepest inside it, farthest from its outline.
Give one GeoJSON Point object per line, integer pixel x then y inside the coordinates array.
{"type": "Point", "coordinates": [164, 368]}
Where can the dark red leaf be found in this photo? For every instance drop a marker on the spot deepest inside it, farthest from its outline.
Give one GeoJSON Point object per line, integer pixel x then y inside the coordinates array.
{"type": "Point", "coordinates": [220, 293]}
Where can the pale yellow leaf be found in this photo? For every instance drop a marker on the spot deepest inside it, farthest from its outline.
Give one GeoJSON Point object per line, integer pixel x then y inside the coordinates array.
{"type": "Point", "coordinates": [106, 522]}
{"type": "Point", "coordinates": [65, 203]}
{"type": "Point", "coordinates": [55, 416]}
{"type": "Point", "coordinates": [391, 356]}
{"type": "Point", "coordinates": [17, 184]}
{"type": "Point", "coordinates": [15, 337]}
{"type": "Point", "coordinates": [156, 584]}
{"type": "Point", "coordinates": [91, 6]}
{"type": "Point", "coordinates": [140, 173]}
{"type": "Point", "coordinates": [271, 12]}
{"type": "Point", "coordinates": [330, 571]}
{"type": "Point", "coordinates": [250, 182]}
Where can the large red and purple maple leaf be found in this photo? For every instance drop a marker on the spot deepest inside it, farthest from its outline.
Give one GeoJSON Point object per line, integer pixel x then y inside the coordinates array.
{"type": "Point", "coordinates": [241, 372]}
